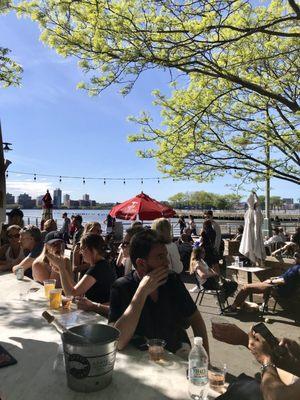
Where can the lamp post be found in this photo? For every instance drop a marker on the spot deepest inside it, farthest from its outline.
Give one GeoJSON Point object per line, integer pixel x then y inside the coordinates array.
{"type": "Point", "coordinates": [267, 222]}
{"type": "Point", "coordinates": [4, 163]}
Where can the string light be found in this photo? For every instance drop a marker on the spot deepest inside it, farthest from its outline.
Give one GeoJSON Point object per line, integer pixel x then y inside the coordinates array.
{"type": "Point", "coordinates": [6, 175]}
{"type": "Point", "coordinates": [105, 180]}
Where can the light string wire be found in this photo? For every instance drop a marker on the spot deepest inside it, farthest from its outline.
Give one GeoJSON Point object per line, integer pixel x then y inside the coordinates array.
{"type": "Point", "coordinates": [85, 178]}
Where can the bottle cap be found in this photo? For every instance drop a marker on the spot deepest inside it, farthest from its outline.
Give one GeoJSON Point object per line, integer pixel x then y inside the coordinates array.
{"type": "Point", "coordinates": [198, 341]}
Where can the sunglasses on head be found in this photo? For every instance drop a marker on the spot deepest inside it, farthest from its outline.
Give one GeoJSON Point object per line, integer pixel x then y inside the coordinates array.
{"type": "Point", "coordinates": [15, 236]}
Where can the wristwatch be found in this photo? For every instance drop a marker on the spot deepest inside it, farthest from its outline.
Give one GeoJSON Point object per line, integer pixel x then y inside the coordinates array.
{"type": "Point", "coordinates": [264, 367]}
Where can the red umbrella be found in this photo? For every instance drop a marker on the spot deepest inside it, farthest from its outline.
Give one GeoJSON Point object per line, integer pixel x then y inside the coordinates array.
{"type": "Point", "coordinates": [141, 206]}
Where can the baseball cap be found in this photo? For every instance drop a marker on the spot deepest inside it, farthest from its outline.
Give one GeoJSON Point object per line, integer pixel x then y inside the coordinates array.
{"type": "Point", "coordinates": [15, 212]}
{"type": "Point", "coordinates": [53, 236]}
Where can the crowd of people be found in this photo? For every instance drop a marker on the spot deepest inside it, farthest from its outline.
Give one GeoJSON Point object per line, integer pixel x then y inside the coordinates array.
{"type": "Point", "coordinates": [137, 283]}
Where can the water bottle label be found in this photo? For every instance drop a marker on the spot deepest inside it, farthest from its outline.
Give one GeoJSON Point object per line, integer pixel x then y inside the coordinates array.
{"type": "Point", "coordinates": [198, 376]}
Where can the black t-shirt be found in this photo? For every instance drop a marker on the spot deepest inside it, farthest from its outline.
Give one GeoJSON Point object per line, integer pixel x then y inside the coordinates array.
{"type": "Point", "coordinates": [105, 276]}
{"type": "Point", "coordinates": [165, 319]}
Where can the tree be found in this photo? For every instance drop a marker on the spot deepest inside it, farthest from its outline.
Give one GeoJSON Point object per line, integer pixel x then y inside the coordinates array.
{"type": "Point", "coordinates": [236, 93]}
{"type": "Point", "coordinates": [10, 71]}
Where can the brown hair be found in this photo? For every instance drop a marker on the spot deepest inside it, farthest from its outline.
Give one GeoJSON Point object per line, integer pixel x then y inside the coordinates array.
{"type": "Point", "coordinates": [93, 241]}
{"type": "Point", "coordinates": [195, 256]}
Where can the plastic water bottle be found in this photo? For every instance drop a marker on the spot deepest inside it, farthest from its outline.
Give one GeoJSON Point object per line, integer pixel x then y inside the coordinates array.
{"type": "Point", "coordinates": [198, 365]}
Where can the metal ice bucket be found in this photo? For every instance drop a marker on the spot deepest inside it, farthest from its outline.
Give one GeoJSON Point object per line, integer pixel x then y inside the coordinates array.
{"type": "Point", "coordinates": [89, 366]}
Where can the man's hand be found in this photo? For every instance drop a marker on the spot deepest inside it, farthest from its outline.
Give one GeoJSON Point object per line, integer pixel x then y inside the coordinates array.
{"type": "Point", "coordinates": [153, 280]}
{"type": "Point", "coordinates": [229, 333]}
{"type": "Point", "coordinates": [259, 348]}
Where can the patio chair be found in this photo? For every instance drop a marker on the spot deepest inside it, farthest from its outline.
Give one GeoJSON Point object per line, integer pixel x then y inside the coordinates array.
{"type": "Point", "coordinates": [213, 292]}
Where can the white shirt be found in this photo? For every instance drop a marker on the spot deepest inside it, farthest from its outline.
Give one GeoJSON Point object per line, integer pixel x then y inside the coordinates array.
{"type": "Point", "coordinates": [175, 263]}
{"type": "Point", "coordinates": [203, 267]}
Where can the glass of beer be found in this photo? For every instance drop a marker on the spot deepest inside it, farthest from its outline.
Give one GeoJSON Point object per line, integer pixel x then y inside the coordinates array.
{"type": "Point", "coordinates": [216, 377]}
{"type": "Point", "coordinates": [156, 349]}
{"type": "Point", "coordinates": [49, 284]}
{"type": "Point", "coordinates": [55, 298]}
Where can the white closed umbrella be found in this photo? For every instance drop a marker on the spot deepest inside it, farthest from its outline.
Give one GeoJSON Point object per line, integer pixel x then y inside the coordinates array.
{"type": "Point", "coordinates": [252, 244]}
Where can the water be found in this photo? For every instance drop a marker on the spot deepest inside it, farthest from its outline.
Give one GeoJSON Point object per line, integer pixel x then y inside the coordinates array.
{"type": "Point", "coordinates": [34, 217]}
{"type": "Point", "coordinates": [198, 371]}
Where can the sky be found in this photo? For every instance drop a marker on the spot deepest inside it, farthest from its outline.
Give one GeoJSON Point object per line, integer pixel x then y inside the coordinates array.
{"type": "Point", "coordinates": [56, 129]}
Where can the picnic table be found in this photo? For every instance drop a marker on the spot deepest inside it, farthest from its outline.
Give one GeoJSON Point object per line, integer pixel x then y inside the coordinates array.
{"type": "Point", "coordinates": [34, 344]}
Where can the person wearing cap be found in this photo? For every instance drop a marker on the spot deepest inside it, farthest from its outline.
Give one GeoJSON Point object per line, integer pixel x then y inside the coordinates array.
{"type": "Point", "coordinates": [31, 242]}
{"type": "Point", "coordinates": [284, 286]}
{"type": "Point", "coordinates": [42, 267]}
{"type": "Point", "coordinates": [15, 217]}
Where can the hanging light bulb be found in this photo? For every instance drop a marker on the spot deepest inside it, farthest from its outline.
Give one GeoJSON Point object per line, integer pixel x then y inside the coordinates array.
{"type": "Point", "coordinates": [83, 180]}
{"type": "Point", "coordinates": [158, 181]}
{"type": "Point", "coordinates": [142, 181]}
{"type": "Point", "coordinates": [124, 181]}
{"type": "Point", "coordinates": [6, 174]}
{"type": "Point", "coordinates": [34, 177]}
{"type": "Point", "coordinates": [104, 181]}
{"type": "Point", "coordinates": [60, 179]}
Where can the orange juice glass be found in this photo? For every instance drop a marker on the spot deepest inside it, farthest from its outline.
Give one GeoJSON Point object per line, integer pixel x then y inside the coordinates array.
{"type": "Point", "coordinates": [55, 298]}
{"type": "Point", "coordinates": [49, 284]}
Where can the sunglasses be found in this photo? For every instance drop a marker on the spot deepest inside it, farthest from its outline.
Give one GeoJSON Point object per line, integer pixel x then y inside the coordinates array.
{"type": "Point", "coordinates": [125, 244]}
{"type": "Point", "coordinates": [15, 236]}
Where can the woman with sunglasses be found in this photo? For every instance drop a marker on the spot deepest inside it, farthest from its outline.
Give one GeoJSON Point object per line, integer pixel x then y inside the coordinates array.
{"type": "Point", "coordinates": [42, 267]}
{"type": "Point", "coordinates": [11, 254]}
{"type": "Point", "coordinates": [97, 281]}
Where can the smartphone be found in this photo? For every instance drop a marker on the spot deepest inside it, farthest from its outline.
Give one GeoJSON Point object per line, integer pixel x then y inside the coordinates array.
{"type": "Point", "coordinates": [266, 334]}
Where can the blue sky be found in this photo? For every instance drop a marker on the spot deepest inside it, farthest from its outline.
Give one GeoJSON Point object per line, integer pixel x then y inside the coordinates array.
{"type": "Point", "coordinates": [58, 130]}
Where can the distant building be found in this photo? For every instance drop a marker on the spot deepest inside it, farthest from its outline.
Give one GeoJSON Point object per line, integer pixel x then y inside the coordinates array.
{"type": "Point", "coordinates": [86, 197]}
{"type": "Point", "coordinates": [288, 204]}
{"type": "Point", "coordinates": [39, 201]}
{"type": "Point", "coordinates": [57, 196]}
{"type": "Point", "coordinates": [84, 203]}
{"type": "Point", "coordinates": [73, 204]}
{"type": "Point", "coordinates": [25, 201]}
{"type": "Point", "coordinates": [66, 200]}
{"type": "Point", "coordinates": [10, 199]}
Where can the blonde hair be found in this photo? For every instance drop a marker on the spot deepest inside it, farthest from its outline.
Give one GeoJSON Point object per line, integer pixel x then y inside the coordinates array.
{"type": "Point", "coordinates": [163, 229]}
{"type": "Point", "coordinates": [89, 227]}
{"type": "Point", "coordinates": [196, 256]}
{"type": "Point", "coordinates": [50, 224]}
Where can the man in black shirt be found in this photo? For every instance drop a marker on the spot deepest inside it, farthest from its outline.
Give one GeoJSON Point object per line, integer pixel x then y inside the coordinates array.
{"type": "Point", "coordinates": [152, 302]}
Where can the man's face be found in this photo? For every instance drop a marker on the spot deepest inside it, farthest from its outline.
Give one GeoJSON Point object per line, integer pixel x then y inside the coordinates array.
{"type": "Point", "coordinates": [26, 240]}
{"type": "Point", "coordinates": [157, 258]}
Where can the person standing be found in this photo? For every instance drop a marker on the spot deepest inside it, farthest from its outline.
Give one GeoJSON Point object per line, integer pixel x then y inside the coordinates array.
{"type": "Point", "coordinates": [192, 225]}
{"type": "Point", "coordinates": [208, 215]}
{"type": "Point", "coordinates": [65, 228]}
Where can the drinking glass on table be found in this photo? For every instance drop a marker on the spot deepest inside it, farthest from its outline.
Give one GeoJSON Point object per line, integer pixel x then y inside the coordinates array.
{"type": "Point", "coordinates": [216, 376]}
{"type": "Point", "coordinates": [55, 298]}
{"type": "Point", "coordinates": [156, 349]}
{"type": "Point", "coordinates": [49, 284]}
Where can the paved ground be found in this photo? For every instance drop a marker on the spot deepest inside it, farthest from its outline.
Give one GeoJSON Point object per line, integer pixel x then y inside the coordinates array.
{"type": "Point", "coordinates": [238, 358]}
